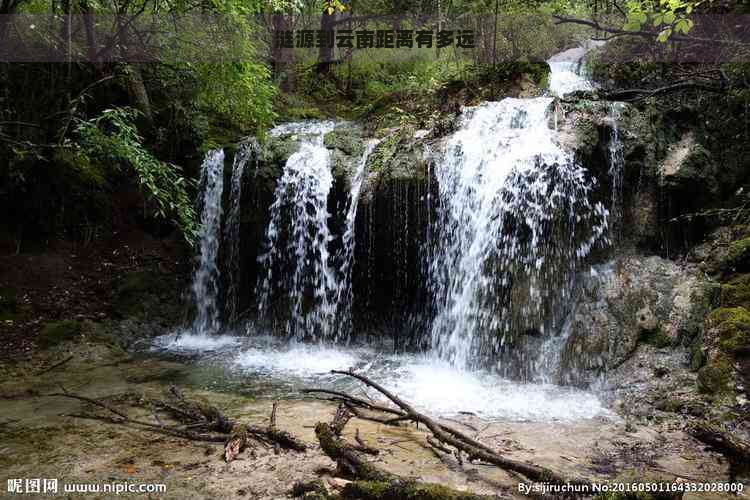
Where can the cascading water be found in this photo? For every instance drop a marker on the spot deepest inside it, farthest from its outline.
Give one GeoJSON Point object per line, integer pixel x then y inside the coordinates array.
{"type": "Point", "coordinates": [566, 69]}
{"type": "Point", "coordinates": [301, 269]}
{"type": "Point", "coordinates": [344, 293]}
{"type": "Point", "coordinates": [616, 168]}
{"type": "Point", "coordinates": [514, 221]}
{"type": "Point", "coordinates": [206, 279]}
{"type": "Point", "coordinates": [246, 152]}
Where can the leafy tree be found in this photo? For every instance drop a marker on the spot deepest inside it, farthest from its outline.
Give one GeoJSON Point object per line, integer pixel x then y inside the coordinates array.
{"type": "Point", "coordinates": [113, 137]}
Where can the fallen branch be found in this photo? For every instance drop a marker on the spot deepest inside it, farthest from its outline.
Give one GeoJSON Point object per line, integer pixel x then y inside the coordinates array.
{"type": "Point", "coordinates": [199, 421]}
{"type": "Point", "coordinates": [641, 33]}
{"type": "Point", "coordinates": [463, 443]}
{"type": "Point", "coordinates": [56, 365]}
{"type": "Point", "coordinates": [630, 95]}
{"type": "Point", "coordinates": [371, 482]}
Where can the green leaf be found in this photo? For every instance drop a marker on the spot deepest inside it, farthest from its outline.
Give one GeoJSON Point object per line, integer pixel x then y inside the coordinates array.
{"type": "Point", "coordinates": [664, 35]}
{"type": "Point", "coordinates": [669, 17]}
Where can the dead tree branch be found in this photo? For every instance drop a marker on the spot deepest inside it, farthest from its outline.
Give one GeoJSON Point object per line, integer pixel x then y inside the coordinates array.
{"type": "Point", "coordinates": [474, 449]}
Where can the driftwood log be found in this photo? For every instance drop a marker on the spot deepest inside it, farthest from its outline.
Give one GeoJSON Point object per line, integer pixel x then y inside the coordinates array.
{"type": "Point", "coordinates": [367, 481]}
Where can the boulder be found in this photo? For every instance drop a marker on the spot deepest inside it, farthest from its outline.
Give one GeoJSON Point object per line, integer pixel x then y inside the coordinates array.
{"type": "Point", "coordinates": [630, 302]}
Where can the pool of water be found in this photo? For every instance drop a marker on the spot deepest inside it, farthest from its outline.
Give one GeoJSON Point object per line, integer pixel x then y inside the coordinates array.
{"type": "Point", "coordinates": [268, 367]}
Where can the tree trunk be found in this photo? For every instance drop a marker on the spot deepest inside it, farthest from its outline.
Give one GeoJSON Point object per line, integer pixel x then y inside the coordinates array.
{"type": "Point", "coordinates": [325, 53]}
{"type": "Point", "coordinates": [137, 90]}
{"type": "Point", "coordinates": [282, 58]}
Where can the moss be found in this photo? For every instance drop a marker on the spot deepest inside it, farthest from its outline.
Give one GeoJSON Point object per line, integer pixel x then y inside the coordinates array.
{"type": "Point", "coordinates": [398, 157]}
{"type": "Point", "coordinates": [736, 292]}
{"type": "Point", "coordinates": [697, 355]}
{"type": "Point", "coordinates": [56, 332]}
{"type": "Point", "coordinates": [738, 255]}
{"type": "Point", "coordinates": [309, 489]}
{"type": "Point", "coordinates": [77, 164]}
{"type": "Point", "coordinates": [733, 327]}
{"type": "Point", "coordinates": [716, 376]}
{"type": "Point", "coordinates": [347, 139]}
{"type": "Point", "coordinates": [670, 405]}
{"type": "Point", "coordinates": [404, 490]}
{"type": "Point", "coordinates": [656, 338]}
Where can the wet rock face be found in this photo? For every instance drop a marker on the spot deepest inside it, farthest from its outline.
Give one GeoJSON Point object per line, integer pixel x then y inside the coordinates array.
{"type": "Point", "coordinates": [393, 219]}
{"type": "Point", "coordinates": [633, 302]}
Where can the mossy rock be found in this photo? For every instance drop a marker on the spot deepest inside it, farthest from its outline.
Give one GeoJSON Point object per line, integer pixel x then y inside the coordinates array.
{"type": "Point", "coordinates": [732, 325]}
{"type": "Point", "coordinates": [736, 292]}
{"type": "Point", "coordinates": [670, 405]}
{"type": "Point", "coordinates": [405, 489]}
{"type": "Point", "coordinates": [278, 149]}
{"type": "Point", "coordinates": [347, 139]}
{"type": "Point", "coordinates": [697, 354]}
{"type": "Point", "coordinates": [738, 256]}
{"type": "Point", "coordinates": [398, 157]}
{"type": "Point", "coordinates": [77, 165]}
{"type": "Point", "coordinates": [656, 338]}
{"type": "Point", "coordinates": [717, 376]}
{"type": "Point", "coordinates": [56, 332]}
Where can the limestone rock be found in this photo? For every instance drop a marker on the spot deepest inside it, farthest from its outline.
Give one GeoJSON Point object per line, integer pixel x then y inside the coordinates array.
{"type": "Point", "coordinates": [632, 301]}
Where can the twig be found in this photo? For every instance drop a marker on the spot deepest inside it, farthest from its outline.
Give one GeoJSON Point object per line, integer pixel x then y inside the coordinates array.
{"type": "Point", "coordinates": [56, 365]}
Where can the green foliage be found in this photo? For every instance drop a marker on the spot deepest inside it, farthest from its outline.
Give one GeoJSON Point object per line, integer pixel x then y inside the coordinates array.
{"type": "Point", "coordinates": [240, 91]}
{"type": "Point", "coordinates": [113, 137]}
{"type": "Point", "coordinates": [670, 16]}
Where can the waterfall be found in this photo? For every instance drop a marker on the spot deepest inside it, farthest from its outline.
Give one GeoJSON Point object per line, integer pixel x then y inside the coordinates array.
{"type": "Point", "coordinates": [344, 293]}
{"type": "Point", "coordinates": [296, 262]}
{"type": "Point", "coordinates": [566, 70]}
{"type": "Point", "coordinates": [514, 219]}
{"type": "Point", "coordinates": [207, 277]}
{"type": "Point", "coordinates": [616, 168]}
{"type": "Point", "coordinates": [245, 152]}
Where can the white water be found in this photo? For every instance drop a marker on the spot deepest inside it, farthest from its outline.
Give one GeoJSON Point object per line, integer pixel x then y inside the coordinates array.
{"type": "Point", "coordinates": [207, 277]}
{"type": "Point", "coordinates": [300, 212]}
{"type": "Point", "coordinates": [616, 167]}
{"type": "Point", "coordinates": [344, 292]}
{"type": "Point", "coordinates": [276, 368]}
{"type": "Point", "coordinates": [188, 341]}
{"type": "Point", "coordinates": [245, 152]}
{"type": "Point", "coordinates": [504, 186]}
{"type": "Point", "coordinates": [566, 67]}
